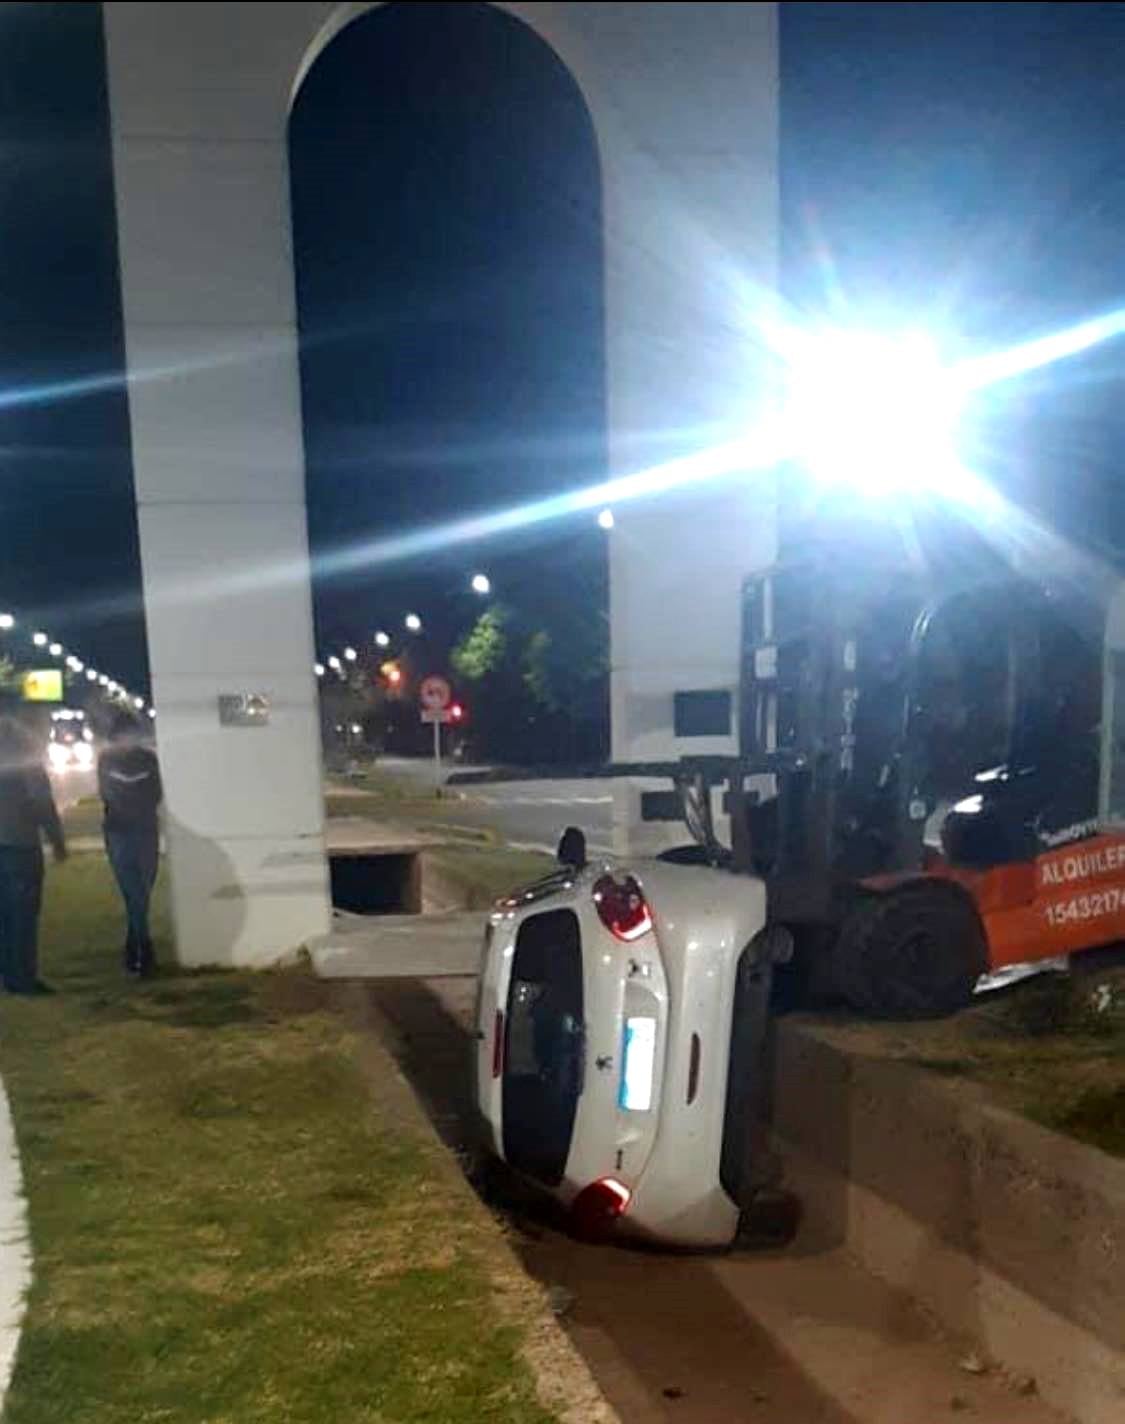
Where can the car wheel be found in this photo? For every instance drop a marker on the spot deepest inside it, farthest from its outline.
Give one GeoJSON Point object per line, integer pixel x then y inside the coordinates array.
{"type": "Point", "coordinates": [914, 952]}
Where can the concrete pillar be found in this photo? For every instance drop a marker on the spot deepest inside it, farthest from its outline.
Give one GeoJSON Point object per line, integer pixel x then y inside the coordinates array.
{"type": "Point", "coordinates": [683, 99]}
{"type": "Point", "coordinates": [198, 101]}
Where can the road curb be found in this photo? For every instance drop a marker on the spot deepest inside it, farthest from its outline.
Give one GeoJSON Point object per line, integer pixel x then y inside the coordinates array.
{"type": "Point", "coordinates": [564, 1382]}
{"type": "Point", "coordinates": [15, 1248]}
{"type": "Point", "coordinates": [1010, 1235]}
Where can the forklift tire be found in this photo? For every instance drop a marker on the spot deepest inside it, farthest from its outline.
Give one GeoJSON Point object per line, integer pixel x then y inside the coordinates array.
{"type": "Point", "coordinates": [914, 952]}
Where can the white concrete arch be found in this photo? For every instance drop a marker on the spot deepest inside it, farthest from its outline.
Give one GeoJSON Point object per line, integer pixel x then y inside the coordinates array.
{"type": "Point", "coordinates": [683, 99]}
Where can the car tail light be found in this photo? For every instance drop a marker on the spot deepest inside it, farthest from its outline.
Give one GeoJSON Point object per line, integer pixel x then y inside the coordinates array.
{"type": "Point", "coordinates": [597, 1207]}
{"type": "Point", "coordinates": [498, 1044]}
{"type": "Point", "coordinates": [622, 908]}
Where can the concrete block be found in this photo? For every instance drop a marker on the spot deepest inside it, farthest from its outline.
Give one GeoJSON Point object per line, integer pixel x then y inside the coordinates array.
{"type": "Point", "coordinates": [1011, 1235]}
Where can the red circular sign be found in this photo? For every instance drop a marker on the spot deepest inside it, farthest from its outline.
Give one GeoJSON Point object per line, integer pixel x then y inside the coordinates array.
{"type": "Point", "coordinates": [435, 693]}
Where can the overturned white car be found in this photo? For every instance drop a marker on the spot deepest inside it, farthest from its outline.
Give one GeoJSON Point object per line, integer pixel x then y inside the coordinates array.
{"type": "Point", "coordinates": [618, 1033]}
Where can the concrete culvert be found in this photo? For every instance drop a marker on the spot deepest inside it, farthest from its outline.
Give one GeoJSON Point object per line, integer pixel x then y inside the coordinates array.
{"type": "Point", "coordinates": [376, 883]}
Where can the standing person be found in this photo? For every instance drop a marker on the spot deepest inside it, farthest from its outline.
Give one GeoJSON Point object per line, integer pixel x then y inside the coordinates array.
{"type": "Point", "coordinates": [129, 785]}
{"type": "Point", "coordinates": [27, 812]}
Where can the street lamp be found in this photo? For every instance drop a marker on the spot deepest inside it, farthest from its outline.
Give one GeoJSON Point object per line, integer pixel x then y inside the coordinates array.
{"type": "Point", "coordinates": [382, 640]}
{"type": "Point", "coordinates": [91, 675]}
{"type": "Point", "coordinates": [139, 703]}
{"type": "Point", "coordinates": [350, 654]}
{"type": "Point", "coordinates": [55, 650]}
{"type": "Point", "coordinates": [7, 622]}
{"type": "Point", "coordinates": [481, 583]}
{"type": "Point", "coordinates": [605, 519]}
{"type": "Point", "coordinates": [335, 664]}
{"type": "Point", "coordinates": [318, 668]}
{"type": "Point", "coordinates": [413, 623]}
{"type": "Point", "coordinates": [40, 639]}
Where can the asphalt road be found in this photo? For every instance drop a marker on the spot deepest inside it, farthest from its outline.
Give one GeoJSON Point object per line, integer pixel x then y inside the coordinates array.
{"type": "Point", "coordinates": [70, 787]}
{"type": "Point", "coordinates": [535, 813]}
{"type": "Point", "coordinates": [530, 814]}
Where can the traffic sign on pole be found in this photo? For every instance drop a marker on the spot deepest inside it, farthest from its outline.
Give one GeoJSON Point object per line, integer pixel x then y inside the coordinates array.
{"type": "Point", "coordinates": [435, 693]}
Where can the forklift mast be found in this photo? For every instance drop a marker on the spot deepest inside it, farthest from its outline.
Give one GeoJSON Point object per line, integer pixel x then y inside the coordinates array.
{"type": "Point", "coordinates": [873, 694]}
{"type": "Point", "coordinates": [826, 691]}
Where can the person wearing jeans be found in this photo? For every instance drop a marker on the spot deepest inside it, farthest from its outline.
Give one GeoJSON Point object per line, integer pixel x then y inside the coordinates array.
{"type": "Point", "coordinates": [27, 812]}
{"type": "Point", "coordinates": [129, 784]}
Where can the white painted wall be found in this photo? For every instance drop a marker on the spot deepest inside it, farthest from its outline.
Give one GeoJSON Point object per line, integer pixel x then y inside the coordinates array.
{"type": "Point", "coordinates": [684, 103]}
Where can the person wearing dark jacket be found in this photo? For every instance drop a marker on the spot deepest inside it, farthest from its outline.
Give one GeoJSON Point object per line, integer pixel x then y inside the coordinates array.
{"type": "Point", "coordinates": [27, 812]}
{"type": "Point", "coordinates": [129, 785]}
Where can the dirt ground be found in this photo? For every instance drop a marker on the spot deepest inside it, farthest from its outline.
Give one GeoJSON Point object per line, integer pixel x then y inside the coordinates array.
{"type": "Point", "coordinates": [800, 1336]}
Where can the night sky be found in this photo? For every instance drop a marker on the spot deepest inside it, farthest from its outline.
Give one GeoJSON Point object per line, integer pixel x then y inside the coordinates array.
{"type": "Point", "coordinates": [68, 535]}
{"type": "Point", "coordinates": [960, 167]}
{"type": "Point", "coordinates": [448, 256]}
{"type": "Point", "coordinates": [958, 164]}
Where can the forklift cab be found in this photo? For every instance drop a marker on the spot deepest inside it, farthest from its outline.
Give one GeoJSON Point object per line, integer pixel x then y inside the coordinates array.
{"type": "Point", "coordinates": [882, 719]}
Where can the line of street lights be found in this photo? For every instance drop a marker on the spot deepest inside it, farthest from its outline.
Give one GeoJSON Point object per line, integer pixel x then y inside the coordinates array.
{"type": "Point", "coordinates": [479, 583]}
{"type": "Point", "coordinates": [109, 686]}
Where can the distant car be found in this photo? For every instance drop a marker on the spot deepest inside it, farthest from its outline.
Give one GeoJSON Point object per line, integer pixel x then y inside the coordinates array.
{"type": "Point", "coordinates": [607, 1060]}
{"type": "Point", "coordinates": [71, 747]}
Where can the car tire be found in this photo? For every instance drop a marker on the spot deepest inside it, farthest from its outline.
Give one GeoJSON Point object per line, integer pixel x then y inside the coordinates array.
{"type": "Point", "coordinates": [914, 952]}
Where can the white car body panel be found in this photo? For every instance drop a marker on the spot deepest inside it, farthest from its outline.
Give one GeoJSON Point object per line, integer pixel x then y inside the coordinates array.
{"type": "Point", "coordinates": [681, 973]}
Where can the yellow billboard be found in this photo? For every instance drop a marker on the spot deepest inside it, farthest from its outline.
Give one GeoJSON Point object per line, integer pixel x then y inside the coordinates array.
{"type": "Point", "coordinates": [43, 685]}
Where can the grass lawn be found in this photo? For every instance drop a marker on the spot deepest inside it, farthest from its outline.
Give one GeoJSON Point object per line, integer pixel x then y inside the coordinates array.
{"type": "Point", "coordinates": [483, 873]}
{"type": "Point", "coordinates": [474, 859]}
{"type": "Point", "coordinates": [1052, 1048]}
{"type": "Point", "coordinates": [226, 1225]}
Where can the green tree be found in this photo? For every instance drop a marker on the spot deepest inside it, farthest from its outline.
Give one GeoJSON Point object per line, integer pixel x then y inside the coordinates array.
{"type": "Point", "coordinates": [481, 653]}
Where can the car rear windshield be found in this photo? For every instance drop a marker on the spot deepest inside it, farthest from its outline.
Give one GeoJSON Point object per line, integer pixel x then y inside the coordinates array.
{"type": "Point", "coordinates": [544, 1045]}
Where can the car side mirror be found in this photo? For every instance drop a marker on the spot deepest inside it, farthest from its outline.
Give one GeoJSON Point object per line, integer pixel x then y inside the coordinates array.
{"type": "Point", "coordinates": [572, 848]}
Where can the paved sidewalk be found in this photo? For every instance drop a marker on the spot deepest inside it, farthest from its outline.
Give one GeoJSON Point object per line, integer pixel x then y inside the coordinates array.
{"type": "Point", "coordinates": [400, 946]}
{"type": "Point", "coordinates": [15, 1250]}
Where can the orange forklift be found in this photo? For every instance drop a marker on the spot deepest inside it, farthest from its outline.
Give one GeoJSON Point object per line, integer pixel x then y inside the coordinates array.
{"type": "Point", "coordinates": [925, 778]}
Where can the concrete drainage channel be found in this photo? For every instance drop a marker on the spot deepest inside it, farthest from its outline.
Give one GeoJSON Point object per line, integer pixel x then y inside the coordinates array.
{"type": "Point", "coordinates": [376, 882]}
{"type": "Point", "coordinates": [1012, 1236]}
{"type": "Point", "coordinates": [892, 1305]}
{"type": "Point", "coordinates": [379, 929]}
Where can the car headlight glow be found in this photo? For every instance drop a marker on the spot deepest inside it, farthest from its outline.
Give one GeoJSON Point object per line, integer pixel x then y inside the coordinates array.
{"type": "Point", "coordinates": [58, 755]}
{"type": "Point", "coordinates": [84, 755]}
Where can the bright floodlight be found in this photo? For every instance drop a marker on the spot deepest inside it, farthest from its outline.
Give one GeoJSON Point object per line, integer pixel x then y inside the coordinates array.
{"type": "Point", "coordinates": [6, 621]}
{"type": "Point", "coordinates": [40, 639]}
{"type": "Point", "coordinates": [413, 622]}
{"type": "Point", "coordinates": [334, 663]}
{"type": "Point", "coordinates": [139, 703]}
{"type": "Point", "coordinates": [55, 650]}
{"type": "Point", "coordinates": [382, 640]}
{"type": "Point", "coordinates": [91, 674]}
{"type": "Point", "coordinates": [152, 713]}
{"type": "Point", "coordinates": [875, 413]}
{"type": "Point", "coordinates": [481, 583]}
{"type": "Point", "coordinates": [350, 654]}
{"type": "Point", "coordinates": [318, 668]}
{"type": "Point", "coordinates": [605, 519]}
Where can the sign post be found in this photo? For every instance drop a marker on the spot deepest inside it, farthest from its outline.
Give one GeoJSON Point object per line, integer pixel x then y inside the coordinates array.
{"type": "Point", "coordinates": [435, 694]}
